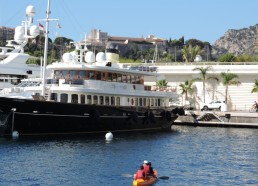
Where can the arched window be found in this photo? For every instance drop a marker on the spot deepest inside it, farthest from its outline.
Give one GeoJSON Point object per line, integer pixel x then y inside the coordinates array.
{"type": "Point", "coordinates": [64, 98]}
{"type": "Point", "coordinates": [53, 96]}
{"type": "Point", "coordinates": [118, 101]}
{"type": "Point", "coordinates": [89, 99]}
{"type": "Point", "coordinates": [112, 100]}
{"type": "Point", "coordinates": [74, 98]}
{"type": "Point", "coordinates": [82, 99]}
{"type": "Point", "coordinates": [95, 99]}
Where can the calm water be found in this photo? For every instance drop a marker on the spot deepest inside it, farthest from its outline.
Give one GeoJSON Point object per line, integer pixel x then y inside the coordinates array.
{"type": "Point", "coordinates": [188, 155]}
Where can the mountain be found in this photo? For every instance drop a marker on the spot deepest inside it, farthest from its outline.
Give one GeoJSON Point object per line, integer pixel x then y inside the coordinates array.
{"type": "Point", "coordinates": [237, 42]}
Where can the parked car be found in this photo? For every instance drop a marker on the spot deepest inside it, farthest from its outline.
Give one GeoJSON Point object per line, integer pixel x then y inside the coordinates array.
{"type": "Point", "coordinates": [213, 105]}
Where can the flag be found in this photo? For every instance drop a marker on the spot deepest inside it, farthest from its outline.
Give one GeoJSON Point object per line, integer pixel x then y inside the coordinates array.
{"type": "Point", "coordinates": [41, 27]}
{"type": "Point", "coordinates": [58, 25]}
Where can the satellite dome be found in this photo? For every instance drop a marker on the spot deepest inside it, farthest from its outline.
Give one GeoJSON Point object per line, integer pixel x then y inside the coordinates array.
{"type": "Point", "coordinates": [101, 57]}
{"type": "Point", "coordinates": [19, 30]}
{"type": "Point", "coordinates": [198, 58]}
{"type": "Point", "coordinates": [89, 57]}
{"type": "Point", "coordinates": [30, 11]}
{"type": "Point", "coordinates": [19, 34]}
{"type": "Point", "coordinates": [67, 57]}
{"type": "Point", "coordinates": [34, 30]}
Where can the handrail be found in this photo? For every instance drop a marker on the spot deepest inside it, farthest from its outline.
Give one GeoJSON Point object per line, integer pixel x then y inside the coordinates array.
{"type": "Point", "coordinates": [207, 63]}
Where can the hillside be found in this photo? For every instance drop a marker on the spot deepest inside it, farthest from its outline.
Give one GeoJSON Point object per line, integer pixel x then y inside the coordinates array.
{"type": "Point", "coordinates": [237, 42]}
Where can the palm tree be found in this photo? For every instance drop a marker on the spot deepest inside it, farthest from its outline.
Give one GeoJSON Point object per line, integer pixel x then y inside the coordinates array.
{"type": "Point", "coordinates": [186, 88]}
{"type": "Point", "coordinates": [203, 73]}
{"type": "Point", "coordinates": [229, 79]}
{"type": "Point", "coordinates": [185, 52]}
{"type": "Point", "coordinates": [194, 51]}
{"type": "Point", "coordinates": [162, 83]}
{"type": "Point", "coordinates": [189, 53]}
{"type": "Point", "coordinates": [255, 87]}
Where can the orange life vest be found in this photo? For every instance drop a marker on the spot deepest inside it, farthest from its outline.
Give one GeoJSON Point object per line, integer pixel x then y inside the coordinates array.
{"type": "Point", "coordinates": [139, 174]}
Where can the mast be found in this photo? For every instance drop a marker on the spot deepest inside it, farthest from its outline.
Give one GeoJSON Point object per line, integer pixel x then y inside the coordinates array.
{"type": "Point", "coordinates": [45, 49]}
{"type": "Point", "coordinates": [46, 46]}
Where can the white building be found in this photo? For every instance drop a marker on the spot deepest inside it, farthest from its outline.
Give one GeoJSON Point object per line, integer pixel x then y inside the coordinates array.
{"type": "Point", "coordinates": [239, 97]}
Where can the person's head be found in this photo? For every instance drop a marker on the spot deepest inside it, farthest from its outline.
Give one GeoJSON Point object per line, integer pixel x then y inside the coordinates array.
{"type": "Point", "coordinates": [141, 167]}
{"type": "Point", "coordinates": [149, 163]}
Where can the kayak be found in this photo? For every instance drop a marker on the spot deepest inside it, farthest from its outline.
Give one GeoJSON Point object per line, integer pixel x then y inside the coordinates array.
{"type": "Point", "coordinates": [149, 181]}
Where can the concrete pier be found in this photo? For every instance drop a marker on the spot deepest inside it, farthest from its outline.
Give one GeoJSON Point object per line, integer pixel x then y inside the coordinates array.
{"type": "Point", "coordinates": [218, 119]}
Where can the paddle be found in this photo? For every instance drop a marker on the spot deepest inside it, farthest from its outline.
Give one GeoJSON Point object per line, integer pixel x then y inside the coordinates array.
{"type": "Point", "coordinates": [130, 175]}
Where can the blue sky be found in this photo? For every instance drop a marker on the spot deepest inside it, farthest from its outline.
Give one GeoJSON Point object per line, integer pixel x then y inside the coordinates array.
{"type": "Point", "coordinates": [205, 20]}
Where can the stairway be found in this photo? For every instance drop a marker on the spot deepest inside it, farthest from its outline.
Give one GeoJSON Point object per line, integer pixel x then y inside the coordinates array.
{"type": "Point", "coordinates": [207, 116]}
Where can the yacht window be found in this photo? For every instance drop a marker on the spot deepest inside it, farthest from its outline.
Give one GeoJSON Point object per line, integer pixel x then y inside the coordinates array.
{"type": "Point", "coordinates": [91, 75]}
{"type": "Point", "coordinates": [101, 100]}
{"type": "Point", "coordinates": [148, 102]}
{"type": "Point", "coordinates": [65, 74]}
{"type": "Point", "coordinates": [159, 102]}
{"type": "Point", "coordinates": [95, 99]}
{"type": "Point", "coordinates": [73, 74]}
{"type": "Point", "coordinates": [82, 74]}
{"type": "Point", "coordinates": [109, 76]}
{"type": "Point", "coordinates": [114, 77]}
{"type": "Point", "coordinates": [56, 75]}
{"type": "Point", "coordinates": [140, 102]}
{"type": "Point", "coordinates": [53, 96]}
{"type": "Point", "coordinates": [98, 75]}
{"type": "Point", "coordinates": [103, 76]}
{"type": "Point", "coordinates": [124, 78]}
{"type": "Point", "coordinates": [119, 77]}
{"type": "Point", "coordinates": [144, 102]}
{"type": "Point", "coordinates": [133, 79]}
{"type": "Point", "coordinates": [106, 100]}
{"type": "Point", "coordinates": [141, 80]}
{"type": "Point", "coordinates": [112, 100]}
{"type": "Point", "coordinates": [136, 102]}
{"type": "Point", "coordinates": [89, 99]}
{"type": "Point", "coordinates": [74, 98]}
{"type": "Point", "coordinates": [82, 99]}
{"type": "Point", "coordinates": [64, 98]}
{"type": "Point", "coordinates": [137, 80]}
{"type": "Point", "coordinates": [128, 78]}
{"type": "Point", "coordinates": [118, 101]}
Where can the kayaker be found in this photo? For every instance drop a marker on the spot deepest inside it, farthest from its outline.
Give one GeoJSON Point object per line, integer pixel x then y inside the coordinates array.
{"type": "Point", "coordinates": [146, 167]}
{"type": "Point", "coordinates": [140, 174]}
{"type": "Point", "coordinates": [151, 170]}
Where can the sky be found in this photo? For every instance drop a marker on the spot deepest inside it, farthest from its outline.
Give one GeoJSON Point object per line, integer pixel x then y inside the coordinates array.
{"type": "Point", "coordinates": [205, 20]}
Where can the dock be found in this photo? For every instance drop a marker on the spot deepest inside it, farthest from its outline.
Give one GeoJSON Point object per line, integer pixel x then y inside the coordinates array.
{"type": "Point", "coordinates": [234, 119]}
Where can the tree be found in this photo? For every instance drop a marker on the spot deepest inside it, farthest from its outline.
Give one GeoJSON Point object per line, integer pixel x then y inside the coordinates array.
{"type": "Point", "coordinates": [189, 52]}
{"type": "Point", "coordinates": [229, 79]}
{"type": "Point", "coordinates": [185, 53]}
{"type": "Point", "coordinates": [255, 87]}
{"type": "Point", "coordinates": [162, 83]}
{"type": "Point", "coordinates": [203, 73]}
{"type": "Point", "coordinates": [227, 58]}
{"type": "Point", "coordinates": [194, 51]}
{"type": "Point", "coordinates": [187, 88]}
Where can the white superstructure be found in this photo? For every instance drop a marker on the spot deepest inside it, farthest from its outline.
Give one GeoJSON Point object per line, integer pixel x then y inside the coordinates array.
{"type": "Point", "coordinates": [13, 67]}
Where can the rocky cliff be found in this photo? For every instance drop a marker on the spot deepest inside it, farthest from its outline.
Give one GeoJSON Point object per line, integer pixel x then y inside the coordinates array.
{"type": "Point", "coordinates": [237, 42]}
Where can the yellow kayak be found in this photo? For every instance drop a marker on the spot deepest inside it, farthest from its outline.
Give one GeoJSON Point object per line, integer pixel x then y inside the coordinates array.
{"type": "Point", "coordinates": [149, 181]}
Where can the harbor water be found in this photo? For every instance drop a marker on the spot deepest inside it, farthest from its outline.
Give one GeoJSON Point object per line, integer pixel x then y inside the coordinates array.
{"type": "Point", "coordinates": [187, 155]}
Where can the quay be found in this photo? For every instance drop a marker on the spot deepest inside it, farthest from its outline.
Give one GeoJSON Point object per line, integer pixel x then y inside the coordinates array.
{"type": "Point", "coordinates": [218, 119]}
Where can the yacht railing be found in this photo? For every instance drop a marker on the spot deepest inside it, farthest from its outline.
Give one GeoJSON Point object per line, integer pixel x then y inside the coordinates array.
{"type": "Point", "coordinates": [208, 63]}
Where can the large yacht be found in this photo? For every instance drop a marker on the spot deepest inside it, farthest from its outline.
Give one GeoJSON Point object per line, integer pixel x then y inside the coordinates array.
{"type": "Point", "coordinates": [87, 93]}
